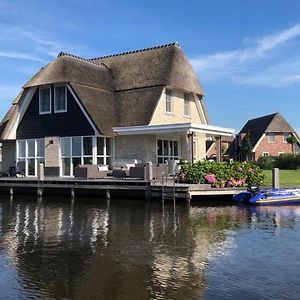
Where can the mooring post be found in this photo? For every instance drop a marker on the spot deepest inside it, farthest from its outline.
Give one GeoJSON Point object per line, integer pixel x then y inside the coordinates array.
{"type": "Point", "coordinates": [275, 178]}
{"type": "Point", "coordinates": [11, 191]}
{"type": "Point", "coordinates": [108, 194]}
{"type": "Point", "coordinates": [72, 193]}
{"type": "Point", "coordinates": [162, 186]}
{"type": "Point", "coordinates": [40, 191]}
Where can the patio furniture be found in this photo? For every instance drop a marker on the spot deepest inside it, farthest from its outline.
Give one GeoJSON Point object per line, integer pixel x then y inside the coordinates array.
{"type": "Point", "coordinates": [137, 172]}
{"type": "Point", "coordinates": [91, 171]}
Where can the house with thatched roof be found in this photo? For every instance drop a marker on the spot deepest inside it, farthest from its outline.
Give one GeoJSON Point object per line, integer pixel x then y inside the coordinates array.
{"type": "Point", "coordinates": [146, 105]}
{"type": "Point", "coordinates": [263, 136]}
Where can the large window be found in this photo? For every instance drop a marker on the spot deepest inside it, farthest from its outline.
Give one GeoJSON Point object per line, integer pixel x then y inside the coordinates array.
{"type": "Point", "coordinates": [45, 100]}
{"type": "Point", "coordinates": [187, 105]}
{"type": "Point", "coordinates": [60, 99]}
{"type": "Point", "coordinates": [169, 104]}
{"type": "Point", "coordinates": [167, 149]}
{"type": "Point", "coordinates": [29, 154]}
{"type": "Point", "coordinates": [80, 150]}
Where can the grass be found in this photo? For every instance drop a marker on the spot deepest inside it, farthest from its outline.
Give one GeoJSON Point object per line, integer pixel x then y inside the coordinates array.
{"type": "Point", "coordinates": [287, 178]}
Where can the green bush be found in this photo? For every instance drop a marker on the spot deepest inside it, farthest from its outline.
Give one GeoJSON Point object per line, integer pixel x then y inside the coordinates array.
{"type": "Point", "coordinates": [222, 174]}
{"type": "Point", "coordinates": [266, 162]}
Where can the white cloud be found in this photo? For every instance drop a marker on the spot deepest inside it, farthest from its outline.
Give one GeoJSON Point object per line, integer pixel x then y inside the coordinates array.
{"type": "Point", "coordinates": [253, 65]}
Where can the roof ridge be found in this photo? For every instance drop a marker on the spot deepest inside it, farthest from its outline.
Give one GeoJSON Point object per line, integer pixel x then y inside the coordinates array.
{"type": "Point", "coordinates": [137, 50]}
{"type": "Point", "coordinates": [60, 54]}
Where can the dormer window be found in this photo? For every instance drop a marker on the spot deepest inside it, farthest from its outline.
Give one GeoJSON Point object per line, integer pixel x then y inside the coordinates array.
{"type": "Point", "coordinates": [169, 104]}
{"type": "Point", "coordinates": [60, 99]}
{"type": "Point", "coordinates": [187, 105]}
{"type": "Point", "coordinates": [45, 101]}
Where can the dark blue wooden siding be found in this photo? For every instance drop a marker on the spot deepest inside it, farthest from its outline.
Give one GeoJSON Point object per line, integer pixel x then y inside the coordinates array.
{"type": "Point", "coordinates": [70, 123]}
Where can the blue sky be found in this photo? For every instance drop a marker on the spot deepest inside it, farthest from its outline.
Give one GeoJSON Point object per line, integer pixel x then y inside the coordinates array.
{"type": "Point", "coordinates": [246, 53]}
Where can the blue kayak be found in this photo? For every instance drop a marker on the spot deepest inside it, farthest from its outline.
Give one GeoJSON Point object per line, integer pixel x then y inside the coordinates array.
{"type": "Point", "coordinates": [254, 195]}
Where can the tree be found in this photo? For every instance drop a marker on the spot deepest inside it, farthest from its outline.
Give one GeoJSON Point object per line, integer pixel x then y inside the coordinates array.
{"type": "Point", "coordinates": [292, 140]}
{"type": "Point", "coordinates": [247, 147]}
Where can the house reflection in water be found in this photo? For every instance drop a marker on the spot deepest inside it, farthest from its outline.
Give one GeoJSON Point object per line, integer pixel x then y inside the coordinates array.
{"type": "Point", "coordinates": [117, 250]}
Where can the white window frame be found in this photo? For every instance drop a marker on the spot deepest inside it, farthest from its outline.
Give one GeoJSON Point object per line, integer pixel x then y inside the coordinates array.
{"type": "Point", "coordinates": [280, 153]}
{"type": "Point", "coordinates": [66, 102]}
{"type": "Point", "coordinates": [271, 134]}
{"type": "Point", "coordinates": [26, 158]}
{"type": "Point", "coordinates": [265, 154]}
{"type": "Point", "coordinates": [169, 154]}
{"type": "Point", "coordinates": [94, 155]}
{"type": "Point", "coordinates": [49, 111]}
{"type": "Point", "coordinates": [169, 100]}
{"type": "Point", "coordinates": [187, 105]}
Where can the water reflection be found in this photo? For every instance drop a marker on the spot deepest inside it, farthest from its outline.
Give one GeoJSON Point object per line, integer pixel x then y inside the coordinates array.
{"type": "Point", "coordinates": [54, 248]}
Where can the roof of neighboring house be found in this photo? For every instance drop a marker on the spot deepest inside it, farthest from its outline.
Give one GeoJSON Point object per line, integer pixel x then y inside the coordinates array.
{"type": "Point", "coordinates": [121, 89]}
{"type": "Point", "coordinates": [266, 124]}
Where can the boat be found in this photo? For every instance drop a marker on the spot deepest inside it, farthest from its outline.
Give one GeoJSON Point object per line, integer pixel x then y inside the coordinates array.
{"type": "Point", "coordinates": [255, 195]}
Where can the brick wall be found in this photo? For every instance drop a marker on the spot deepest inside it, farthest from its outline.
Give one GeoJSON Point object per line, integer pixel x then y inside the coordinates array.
{"type": "Point", "coordinates": [273, 148]}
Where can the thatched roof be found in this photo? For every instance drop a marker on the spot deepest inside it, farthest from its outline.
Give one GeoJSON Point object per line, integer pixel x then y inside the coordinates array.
{"type": "Point", "coordinates": [100, 106]}
{"type": "Point", "coordinates": [121, 89]}
{"type": "Point", "coordinates": [67, 68]}
{"type": "Point", "coordinates": [136, 107]}
{"type": "Point", "coordinates": [164, 65]}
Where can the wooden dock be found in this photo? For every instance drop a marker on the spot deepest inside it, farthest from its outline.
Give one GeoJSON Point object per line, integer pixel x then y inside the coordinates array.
{"type": "Point", "coordinates": [111, 187]}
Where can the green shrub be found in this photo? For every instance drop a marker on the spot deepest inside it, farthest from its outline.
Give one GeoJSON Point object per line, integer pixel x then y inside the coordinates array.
{"type": "Point", "coordinates": [283, 162]}
{"type": "Point", "coordinates": [222, 174]}
{"type": "Point", "coordinates": [266, 162]}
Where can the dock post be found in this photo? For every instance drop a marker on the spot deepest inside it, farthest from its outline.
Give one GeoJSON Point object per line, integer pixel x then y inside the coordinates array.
{"type": "Point", "coordinates": [11, 191]}
{"type": "Point", "coordinates": [72, 193]}
{"type": "Point", "coordinates": [162, 186]}
{"type": "Point", "coordinates": [275, 178]}
{"type": "Point", "coordinates": [108, 194]}
{"type": "Point", "coordinates": [40, 191]}
{"type": "Point", "coordinates": [174, 189]}
{"type": "Point", "coordinates": [149, 171]}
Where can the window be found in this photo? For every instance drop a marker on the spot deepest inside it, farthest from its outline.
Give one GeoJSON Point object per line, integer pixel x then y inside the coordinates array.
{"type": "Point", "coordinates": [45, 101]}
{"type": "Point", "coordinates": [187, 105]}
{"type": "Point", "coordinates": [80, 150]}
{"type": "Point", "coordinates": [280, 153]}
{"type": "Point", "coordinates": [30, 153]}
{"type": "Point", "coordinates": [265, 154]}
{"type": "Point", "coordinates": [167, 150]}
{"type": "Point", "coordinates": [285, 137]}
{"type": "Point", "coordinates": [271, 137]}
{"type": "Point", "coordinates": [169, 104]}
{"type": "Point", "coordinates": [60, 99]}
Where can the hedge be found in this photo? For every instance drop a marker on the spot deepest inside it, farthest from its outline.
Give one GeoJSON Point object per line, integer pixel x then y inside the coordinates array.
{"type": "Point", "coordinates": [283, 161]}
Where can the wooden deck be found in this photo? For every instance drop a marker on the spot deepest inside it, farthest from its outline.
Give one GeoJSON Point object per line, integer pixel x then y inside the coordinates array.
{"type": "Point", "coordinates": [108, 186]}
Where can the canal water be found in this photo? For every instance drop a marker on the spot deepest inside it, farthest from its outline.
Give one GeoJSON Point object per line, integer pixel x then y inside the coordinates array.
{"type": "Point", "coordinates": [136, 249]}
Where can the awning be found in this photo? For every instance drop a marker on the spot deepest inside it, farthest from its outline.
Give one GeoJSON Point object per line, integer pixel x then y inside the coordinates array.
{"type": "Point", "coordinates": [209, 130]}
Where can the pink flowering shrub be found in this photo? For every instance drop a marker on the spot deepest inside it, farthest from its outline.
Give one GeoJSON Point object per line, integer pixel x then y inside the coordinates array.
{"type": "Point", "coordinates": [222, 174]}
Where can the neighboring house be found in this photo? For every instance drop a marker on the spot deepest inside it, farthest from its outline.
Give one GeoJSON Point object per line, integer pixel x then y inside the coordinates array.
{"type": "Point", "coordinates": [211, 147]}
{"type": "Point", "coordinates": [263, 136]}
{"type": "Point", "coordinates": [145, 104]}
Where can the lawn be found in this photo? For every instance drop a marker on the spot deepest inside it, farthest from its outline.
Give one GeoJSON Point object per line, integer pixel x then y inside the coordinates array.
{"type": "Point", "coordinates": [287, 178]}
